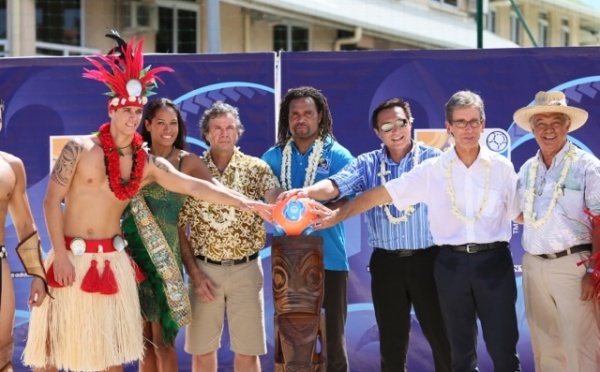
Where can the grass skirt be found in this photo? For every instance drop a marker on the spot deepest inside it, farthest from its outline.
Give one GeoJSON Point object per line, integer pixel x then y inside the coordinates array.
{"type": "Point", "coordinates": [80, 331]}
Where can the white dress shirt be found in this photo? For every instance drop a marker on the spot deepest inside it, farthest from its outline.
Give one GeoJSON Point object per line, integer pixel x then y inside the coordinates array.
{"type": "Point", "coordinates": [428, 183]}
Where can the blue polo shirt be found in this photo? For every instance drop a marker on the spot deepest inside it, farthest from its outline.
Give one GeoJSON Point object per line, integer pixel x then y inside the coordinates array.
{"type": "Point", "coordinates": [334, 158]}
{"type": "Point", "coordinates": [363, 174]}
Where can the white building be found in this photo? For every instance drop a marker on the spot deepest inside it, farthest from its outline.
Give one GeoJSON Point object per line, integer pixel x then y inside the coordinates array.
{"type": "Point", "coordinates": [74, 27]}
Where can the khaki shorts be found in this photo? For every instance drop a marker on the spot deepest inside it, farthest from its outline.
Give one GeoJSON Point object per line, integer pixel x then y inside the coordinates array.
{"type": "Point", "coordinates": [242, 286]}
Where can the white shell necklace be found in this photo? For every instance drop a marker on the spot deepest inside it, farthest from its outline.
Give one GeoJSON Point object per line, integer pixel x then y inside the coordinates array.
{"type": "Point", "coordinates": [383, 172]}
{"type": "Point", "coordinates": [558, 188]}
{"type": "Point", "coordinates": [311, 170]}
{"type": "Point", "coordinates": [450, 190]}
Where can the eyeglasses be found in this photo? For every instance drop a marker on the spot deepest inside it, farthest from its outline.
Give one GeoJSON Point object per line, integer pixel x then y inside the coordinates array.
{"type": "Point", "coordinates": [544, 126]}
{"type": "Point", "coordinates": [475, 123]}
{"type": "Point", "coordinates": [400, 123]}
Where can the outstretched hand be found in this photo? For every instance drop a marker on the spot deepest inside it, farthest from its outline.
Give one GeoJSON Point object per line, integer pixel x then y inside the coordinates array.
{"type": "Point", "coordinates": [263, 210]}
{"type": "Point", "coordinates": [297, 193]}
{"type": "Point", "coordinates": [325, 217]}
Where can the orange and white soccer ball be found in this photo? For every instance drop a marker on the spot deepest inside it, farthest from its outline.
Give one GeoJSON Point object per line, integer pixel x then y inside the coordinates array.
{"type": "Point", "coordinates": [293, 216]}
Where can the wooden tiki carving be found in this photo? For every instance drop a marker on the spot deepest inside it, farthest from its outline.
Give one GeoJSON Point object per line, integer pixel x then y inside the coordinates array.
{"type": "Point", "coordinates": [298, 278]}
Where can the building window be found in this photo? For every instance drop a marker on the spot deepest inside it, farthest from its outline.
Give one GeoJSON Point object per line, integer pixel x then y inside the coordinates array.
{"type": "Point", "coordinates": [543, 30]}
{"type": "Point", "coordinates": [177, 27]}
{"type": "Point", "coordinates": [515, 28]}
{"type": "Point", "coordinates": [58, 22]}
{"type": "Point", "coordinates": [565, 33]}
{"type": "Point", "coordinates": [447, 2]}
{"type": "Point", "coordinates": [491, 21]}
{"type": "Point", "coordinates": [290, 38]}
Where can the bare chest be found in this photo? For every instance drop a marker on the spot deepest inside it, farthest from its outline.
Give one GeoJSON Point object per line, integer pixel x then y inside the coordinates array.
{"type": "Point", "coordinates": [93, 170]}
{"type": "Point", "coordinates": [8, 181]}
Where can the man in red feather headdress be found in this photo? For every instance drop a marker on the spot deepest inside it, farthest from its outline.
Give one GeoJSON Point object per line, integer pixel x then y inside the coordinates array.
{"type": "Point", "coordinates": [93, 321]}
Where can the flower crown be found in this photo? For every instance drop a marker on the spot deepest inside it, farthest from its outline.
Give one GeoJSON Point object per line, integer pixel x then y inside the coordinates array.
{"type": "Point", "coordinates": [130, 83]}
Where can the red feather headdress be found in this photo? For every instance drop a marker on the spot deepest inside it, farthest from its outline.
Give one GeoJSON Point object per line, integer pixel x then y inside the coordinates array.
{"type": "Point", "coordinates": [130, 83]}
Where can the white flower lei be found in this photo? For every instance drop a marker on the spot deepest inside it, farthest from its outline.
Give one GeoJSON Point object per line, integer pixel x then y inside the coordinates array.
{"type": "Point", "coordinates": [384, 172]}
{"type": "Point", "coordinates": [311, 170]}
{"type": "Point", "coordinates": [529, 214]}
{"type": "Point", "coordinates": [450, 190]}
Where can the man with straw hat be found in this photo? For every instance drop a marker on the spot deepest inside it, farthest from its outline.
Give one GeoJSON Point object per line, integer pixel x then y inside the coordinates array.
{"type": "Point", "coordinates": [558, 185]}
{"type": "Point", "coordinates": [93, 320]}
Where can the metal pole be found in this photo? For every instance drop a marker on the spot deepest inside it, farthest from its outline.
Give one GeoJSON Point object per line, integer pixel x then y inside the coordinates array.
{"type": "Point", "coordinates": [518, 11]}
{"type": "Point", "coordinates": [213, 23]}
{"type": "Point", "coordinates": [479, 24]}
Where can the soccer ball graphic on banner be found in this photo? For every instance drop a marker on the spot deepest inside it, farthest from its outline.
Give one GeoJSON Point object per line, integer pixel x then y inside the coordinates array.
{"type": "Point", "coordinates": [293, 216]}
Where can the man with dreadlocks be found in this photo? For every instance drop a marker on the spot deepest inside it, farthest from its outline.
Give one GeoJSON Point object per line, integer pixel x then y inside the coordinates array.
{"type": "Point", "coordinates": [307, 152]}
{"type": "Point", "coordinates": [93, 322]}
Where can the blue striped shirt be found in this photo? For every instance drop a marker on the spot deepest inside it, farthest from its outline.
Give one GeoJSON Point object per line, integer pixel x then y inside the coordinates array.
{"type": "Point", "coordinates": [363, 174]}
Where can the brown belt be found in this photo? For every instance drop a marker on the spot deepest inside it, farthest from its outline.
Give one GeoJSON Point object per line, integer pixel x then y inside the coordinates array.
{"type": "Point", "coordinates": [475, 247]}
{"type": "Point", "coordinates": [566, 252]}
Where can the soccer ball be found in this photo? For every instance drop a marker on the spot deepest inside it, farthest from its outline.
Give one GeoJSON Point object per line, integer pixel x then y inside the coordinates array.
{"type": "Point", "coordinates": [497, 141]}
{"type": "Point", "coordinates": [293, 216]}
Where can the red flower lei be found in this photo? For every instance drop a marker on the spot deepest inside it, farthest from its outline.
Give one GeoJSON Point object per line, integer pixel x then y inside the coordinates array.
{"type": "Point", "coordinates": [122, 190]}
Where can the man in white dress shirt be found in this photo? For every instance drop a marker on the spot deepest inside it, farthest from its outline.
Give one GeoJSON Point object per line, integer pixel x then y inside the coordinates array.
{"type": "Point", "coordinates": [471, 195]}
{"type": "Point", "coordinates": [557, 185]}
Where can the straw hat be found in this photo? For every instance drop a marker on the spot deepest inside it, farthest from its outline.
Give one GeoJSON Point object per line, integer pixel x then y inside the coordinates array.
{"type": "Point", "coordinates": [550, 102]}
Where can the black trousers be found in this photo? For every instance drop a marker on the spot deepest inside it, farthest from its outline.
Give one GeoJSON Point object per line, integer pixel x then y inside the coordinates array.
{"type": "Point", "coordinates": [479, 285]}
{"type": "Point", "coordinates": [335, 303]}
{"type": "Point", "coordinates": [397, 284]}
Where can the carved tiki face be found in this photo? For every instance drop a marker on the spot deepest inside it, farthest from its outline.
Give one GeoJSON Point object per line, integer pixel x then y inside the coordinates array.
{"type": "Point", "coordinates": [298, 274]}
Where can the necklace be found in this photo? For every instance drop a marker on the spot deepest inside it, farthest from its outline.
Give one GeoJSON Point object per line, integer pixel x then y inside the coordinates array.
{"type": "Point", "coordinates": [450, 190]}
{"type": "Point", "coordinates": [121, 148]}
{"type": "Point", "coordinates": [529, 214]}
{"type": "Point", "coordinates": [382, 177]}
{"type": "Point", "coordinates": [121, 189]}
{"type": "Point", "coordinates": [168, 155]}
{"type": "Point", "coordinates": [311, 170]}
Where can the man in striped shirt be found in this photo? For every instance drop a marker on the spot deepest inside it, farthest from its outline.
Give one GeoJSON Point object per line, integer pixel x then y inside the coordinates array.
{"type": "Point", "coordinates": [402, 262]}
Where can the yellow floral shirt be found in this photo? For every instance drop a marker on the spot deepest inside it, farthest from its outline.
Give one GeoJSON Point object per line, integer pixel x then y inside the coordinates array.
{"type": "Point", "coordinates": [225, 233]}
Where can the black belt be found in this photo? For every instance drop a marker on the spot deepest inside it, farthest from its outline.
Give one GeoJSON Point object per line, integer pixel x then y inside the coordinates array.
{"type": "Point", "coordinates": [566, 252]}
{"type": "Point", "coordinates": [252, 257]}
{"type": "Point", "coordinates": [399, 252]}
{"type": "Point", "coordinates": [475, 247]}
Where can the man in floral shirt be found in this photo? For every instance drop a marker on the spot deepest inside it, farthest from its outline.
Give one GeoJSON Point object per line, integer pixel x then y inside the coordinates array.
{"type": "Point", "coordinates": [225, 273]}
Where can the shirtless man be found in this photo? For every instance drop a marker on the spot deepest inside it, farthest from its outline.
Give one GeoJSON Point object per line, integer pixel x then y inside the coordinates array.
{"type": "Point", "coordinates": [13, 199]}
{"type": "Point", "coordinates": [94, 322]}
